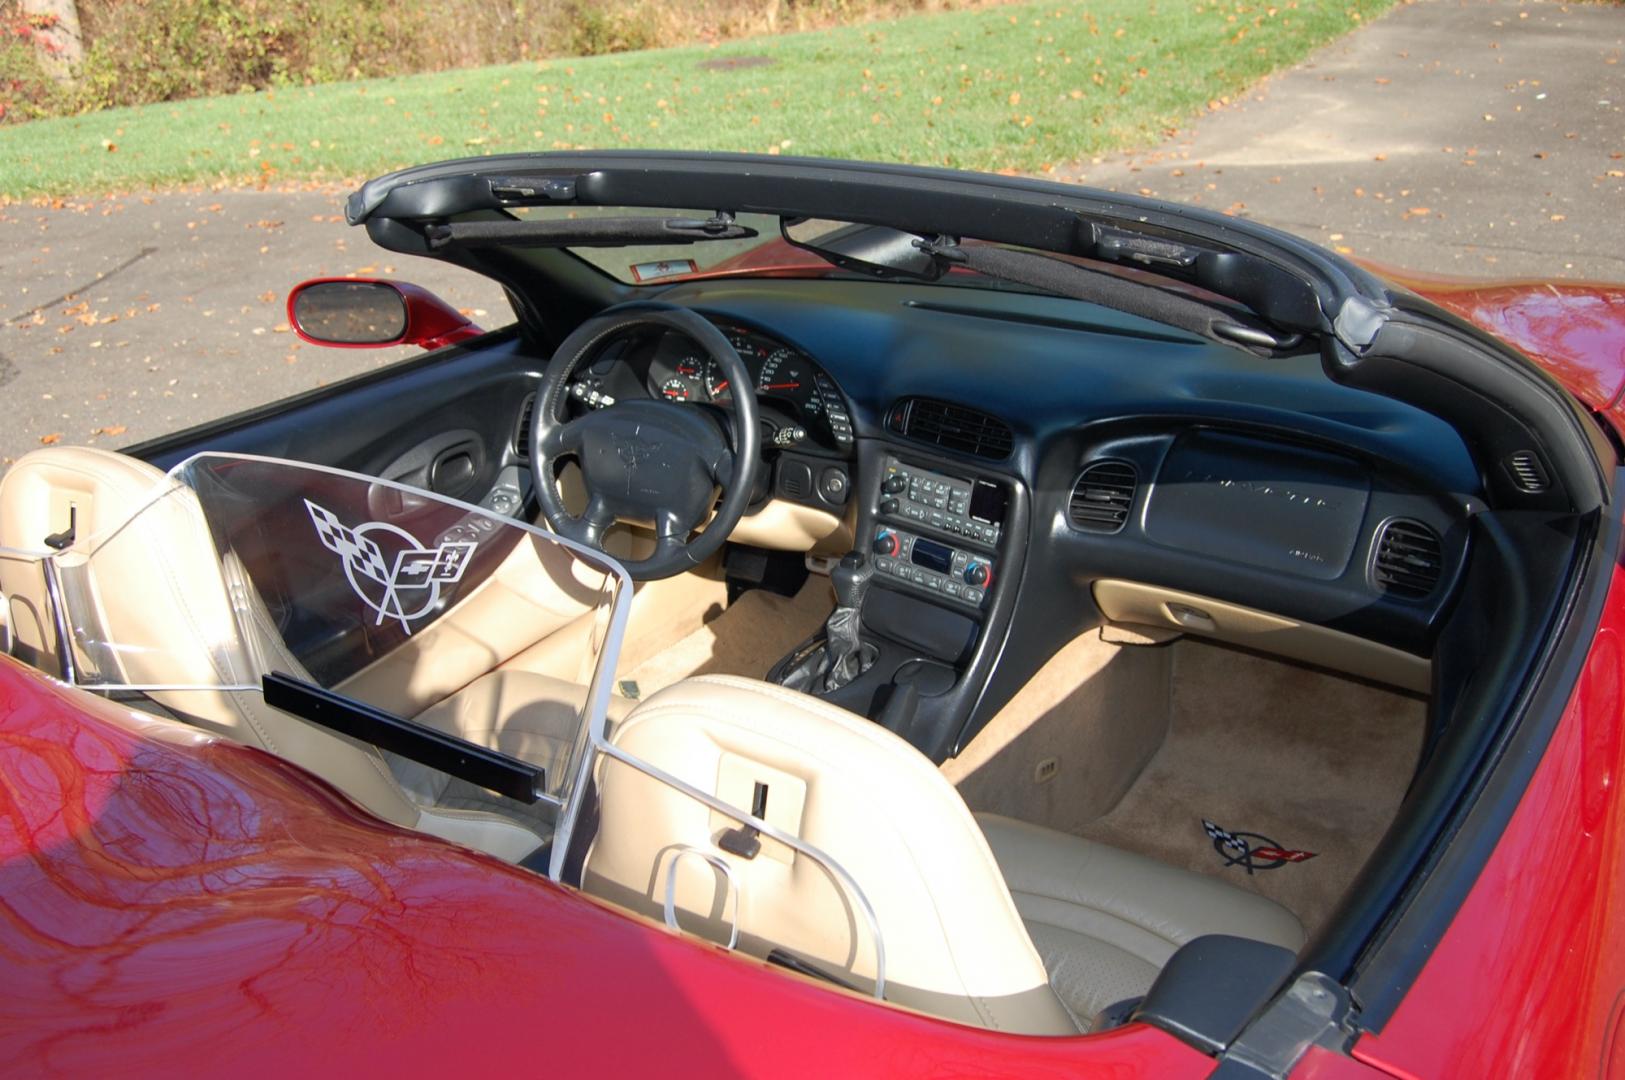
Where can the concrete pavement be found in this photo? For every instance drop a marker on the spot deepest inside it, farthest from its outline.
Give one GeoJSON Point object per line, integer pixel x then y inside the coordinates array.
{"type": "Point", "coordinates": [1475, 137]}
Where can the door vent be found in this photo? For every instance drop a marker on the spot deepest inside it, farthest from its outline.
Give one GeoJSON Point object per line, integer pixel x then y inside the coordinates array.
{"type": "Point", "coordinates": [521, 430]}
{"type": "Point", "coordinates": [952, 427]}
{"type": "Point", "coordinates": [1528, 472]}
{"type": "Point", "coordinates": [1409, 559]}
{"type": "Point", "coordinates": [1102, 496]}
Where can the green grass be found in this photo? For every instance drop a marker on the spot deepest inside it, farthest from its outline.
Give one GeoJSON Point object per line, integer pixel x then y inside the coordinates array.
{"type": "Point", "coordinates": [1020, 87]}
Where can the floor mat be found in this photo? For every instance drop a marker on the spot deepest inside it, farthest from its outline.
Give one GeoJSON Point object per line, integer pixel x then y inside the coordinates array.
{"type": "Point", "coordinates": [746, 639]}
{"type": "Point", "coordinates": [1277, 757]}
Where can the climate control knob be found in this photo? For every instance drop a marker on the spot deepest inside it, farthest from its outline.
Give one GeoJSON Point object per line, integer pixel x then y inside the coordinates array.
{"type": "Point", "coordinates": [893, 484]}
{"type": "Point", "coordinates": [886, 542]}
{"type": "Point", "coordinates": [888, 506]}
{"type": "Point", "coordinates": [976, 574]}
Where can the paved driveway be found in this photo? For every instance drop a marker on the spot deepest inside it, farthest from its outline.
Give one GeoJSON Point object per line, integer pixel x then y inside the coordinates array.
{"type": "Point", "coordinates": [1478, 138]}
{"type": "Point", "coordinates": [1482, 139]}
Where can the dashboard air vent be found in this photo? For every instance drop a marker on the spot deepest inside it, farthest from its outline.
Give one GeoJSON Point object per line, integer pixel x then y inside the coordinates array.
{"type": "Point", "coordinates": [1527, 472]}
{"type": "Point", "coordinates": [952, 427]}
{"type": "Point", "coordinates": [1409, 559]}
{"type": "Point", "coordinates": [1102, 496]}
{"type": "Point", "coordinates": [521, 430]}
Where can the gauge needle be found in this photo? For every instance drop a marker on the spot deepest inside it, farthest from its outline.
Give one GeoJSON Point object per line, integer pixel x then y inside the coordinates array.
{"type": "Point", "coordinates": [720, 387]}
{"type": "Point", "coordinates": [782, 386]}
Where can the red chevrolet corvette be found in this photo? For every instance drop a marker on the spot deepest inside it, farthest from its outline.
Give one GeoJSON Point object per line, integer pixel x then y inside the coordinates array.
{"type": "Point", "coordinates": [856, 620]}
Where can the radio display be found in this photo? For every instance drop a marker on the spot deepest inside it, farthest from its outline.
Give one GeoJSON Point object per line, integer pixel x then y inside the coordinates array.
{"type": "Point", "coordinates": [932, 556]}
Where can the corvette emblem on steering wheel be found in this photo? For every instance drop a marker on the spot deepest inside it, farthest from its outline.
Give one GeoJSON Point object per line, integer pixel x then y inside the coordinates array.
{"type": "Point", "coordinates": [633, 451]}
{"type": "Point", "coordinates": [404, 585]}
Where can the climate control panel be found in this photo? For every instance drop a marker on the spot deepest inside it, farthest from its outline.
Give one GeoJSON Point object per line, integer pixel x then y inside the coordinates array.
{"type": "Point", "coordinates": [934, 567]}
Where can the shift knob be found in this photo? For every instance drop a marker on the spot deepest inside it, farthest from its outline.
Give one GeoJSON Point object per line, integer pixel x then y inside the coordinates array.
{"type": "Point", "coordinates": [850, 577]}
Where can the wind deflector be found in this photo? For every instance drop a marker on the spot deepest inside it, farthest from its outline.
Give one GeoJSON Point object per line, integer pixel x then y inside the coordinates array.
{"type": "Point", "coordinates": [239, 567]}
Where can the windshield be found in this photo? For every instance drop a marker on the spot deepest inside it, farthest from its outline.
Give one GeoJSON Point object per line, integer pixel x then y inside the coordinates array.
{"type": "Point", "coordinates": [643, 264]}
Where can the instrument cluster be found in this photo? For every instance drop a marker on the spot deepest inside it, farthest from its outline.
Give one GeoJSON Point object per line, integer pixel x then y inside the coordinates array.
{"type": "Point", "coordinates": [679, 370]}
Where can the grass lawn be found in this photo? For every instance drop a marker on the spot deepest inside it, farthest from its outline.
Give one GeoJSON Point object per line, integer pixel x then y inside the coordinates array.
{"type": "Point", "coordinates": [1020, 87]}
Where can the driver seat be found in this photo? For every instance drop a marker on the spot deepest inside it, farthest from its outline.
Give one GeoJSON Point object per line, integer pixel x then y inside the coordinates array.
{"type": "Point", "coordinates": [164, 586]}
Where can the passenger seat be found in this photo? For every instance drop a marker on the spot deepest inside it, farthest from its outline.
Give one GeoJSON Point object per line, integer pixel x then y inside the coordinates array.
{"type": "Point", "coordinates": [1107, 920]}
{"type": "Point", "coordinates": [989, 922]}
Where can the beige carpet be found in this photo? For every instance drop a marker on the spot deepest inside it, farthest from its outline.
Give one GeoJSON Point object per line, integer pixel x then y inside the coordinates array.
{"type": "Point", "coordinates": [1135, 745]}
{"type": "Point", "coordinates": [1068, 745]}
{"type": "Point", "coordinates": [749, 637]}
{"type": "Point", "coordinates": [1305, 759]}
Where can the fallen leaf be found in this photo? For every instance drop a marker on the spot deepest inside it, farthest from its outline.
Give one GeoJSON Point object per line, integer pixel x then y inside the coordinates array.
{"type": "Point", "coordinates": [268, 297]}
{"type": "Point", "coordinates": [1559, 217]}
{"type": "Point", "coordinates": [51, 439]}
{"type": "Point", "coordinates": [111, 429]}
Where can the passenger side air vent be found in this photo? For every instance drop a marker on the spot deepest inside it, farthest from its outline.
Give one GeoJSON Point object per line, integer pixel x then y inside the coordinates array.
{"type": "Point", "coordinates": [1409, 559]}
{"type": "Point", "coordinates": [1528, 472]}
{"type": "Point", "coordinates": [952, 427]}
{"type": "Point", "coordinates": [1102, 496]}
{"type": "Point", "coordinates": [521, 430]}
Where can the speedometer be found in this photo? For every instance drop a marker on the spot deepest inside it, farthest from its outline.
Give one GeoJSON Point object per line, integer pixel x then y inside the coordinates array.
{"type": "Point", "coordinates": [786, 375]}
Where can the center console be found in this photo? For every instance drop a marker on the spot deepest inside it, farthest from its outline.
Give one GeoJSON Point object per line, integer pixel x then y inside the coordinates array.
{"type": "Point", "coordinates": [921, 601]}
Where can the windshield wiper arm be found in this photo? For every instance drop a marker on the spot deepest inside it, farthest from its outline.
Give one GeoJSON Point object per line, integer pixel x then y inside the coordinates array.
{"type": "Point", "coordinates": [586, 232]}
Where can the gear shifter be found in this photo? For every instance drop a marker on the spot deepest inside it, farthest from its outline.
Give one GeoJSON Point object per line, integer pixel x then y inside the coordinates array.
{"type": "Point", "coordinates": [843, 632]}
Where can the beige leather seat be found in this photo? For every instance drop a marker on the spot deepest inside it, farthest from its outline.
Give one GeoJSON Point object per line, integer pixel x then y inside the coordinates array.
{"type": "Point", "coordinates": [160, 586]}
{"type": "Point", "coordinates": [1106, 920]}
{"type": "Point", "coordinates": [959, 941]}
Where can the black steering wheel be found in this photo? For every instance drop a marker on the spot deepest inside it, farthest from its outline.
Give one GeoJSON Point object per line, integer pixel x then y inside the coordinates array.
{"type": "Point", "coordinates": [647, 460]}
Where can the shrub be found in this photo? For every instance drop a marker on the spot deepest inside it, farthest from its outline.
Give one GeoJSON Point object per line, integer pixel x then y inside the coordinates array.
{"type": "Point", "coordinates": [142, 51]}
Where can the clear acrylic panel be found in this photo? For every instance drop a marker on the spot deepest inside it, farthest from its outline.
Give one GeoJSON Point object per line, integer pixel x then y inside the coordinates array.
{"type": "Point", "coordinates": [386, 594]}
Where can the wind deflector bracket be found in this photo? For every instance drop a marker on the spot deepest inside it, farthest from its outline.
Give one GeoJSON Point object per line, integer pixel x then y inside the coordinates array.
{"type": "Point", "coordinates": [453, 756]}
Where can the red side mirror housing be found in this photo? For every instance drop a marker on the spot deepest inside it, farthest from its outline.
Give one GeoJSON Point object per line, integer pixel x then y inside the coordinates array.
{"type": "Point", "coordinates": [367, 313]}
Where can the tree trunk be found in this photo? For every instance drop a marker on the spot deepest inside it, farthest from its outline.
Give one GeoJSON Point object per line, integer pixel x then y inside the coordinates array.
{"type": "Point", "coordinates": [56, 36]}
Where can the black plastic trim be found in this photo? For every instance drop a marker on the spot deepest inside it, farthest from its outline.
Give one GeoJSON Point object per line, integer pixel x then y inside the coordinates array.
{"type": "Point", "coordinates": [1212, 987]}
{"type": "Point", "coordinates": [426, 746]}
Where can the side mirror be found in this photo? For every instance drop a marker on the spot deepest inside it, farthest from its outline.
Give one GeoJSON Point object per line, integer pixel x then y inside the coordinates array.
{"type": "Point", "coordinates": [364, 313]}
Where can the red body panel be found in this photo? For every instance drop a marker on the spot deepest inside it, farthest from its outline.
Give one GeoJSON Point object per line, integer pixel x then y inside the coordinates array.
{"type": "Point", "coordinates": [1530, 978]}
{"type": "Point", "coordinates": [1576, 331]}
{"type": "Point", "coordinates": [173, 909]}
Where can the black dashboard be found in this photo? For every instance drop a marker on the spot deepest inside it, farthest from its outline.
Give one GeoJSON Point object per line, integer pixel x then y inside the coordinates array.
{"type": "Point", "coordinates": [1256, 480]}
